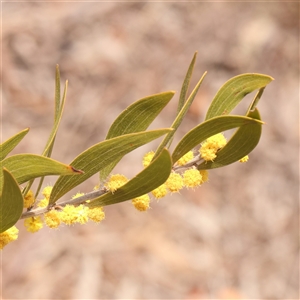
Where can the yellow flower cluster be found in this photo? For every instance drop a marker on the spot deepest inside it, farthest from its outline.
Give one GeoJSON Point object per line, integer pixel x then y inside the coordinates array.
{"type": "Point", "coordinates": [141, 203]}
{"type": "Point", "coordinates": [69, 215]}
{"type": "Point", "coordinates": [160, 191]}
{"type": "Point", "coordinates": [210, 147]}
{"type": "Point", "coordinates": [115, 182]}
{"type": "Point", "coordinates": [190, 178]}
{"type": "Point", "coordinates": [46, 193]}
{"type": "Point", "coordinates": [29, 199]}
{"type": "Point", "coordinates": [174, 183]}
{"type": "Point", "coordinates": [96, 214]}
{"type": "Point", "coordinates": [185, 158]}
{"type": "Point", "coordinates": [74, 214]}
{"type": "Point", "coordinates": [8, 236]}
{"type": "Point", "coordinates": [193, 177]}
{"type": "Point", "coordinates": [52, 218]}
{"type": "Point", "coordinates": [148, 158]}
{"type": "Point", "coordinates": [33, 224]}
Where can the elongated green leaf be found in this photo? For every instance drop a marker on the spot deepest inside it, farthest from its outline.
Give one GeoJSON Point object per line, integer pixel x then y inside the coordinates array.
{"type": "Point", "coordinates": [58, 111]}
{"type": "Point", "coordinates": [241, 143]}
{"type": "Point", "coordinates": [27, 166]}
{"type": "Point", "coordinates": [139, 115]}
{"type": "Point", "coordinates": [136, 118]}
{"type": "Point", "coordinates": [57, 93]}
{"type": "Point", "coordinates": [179, 117]}
{"type": "Point", "coordinates": [233, 91]}
{"type": "Point", "coordinates": [11, 201]}
{"type": "Point", "coordinates": [58, 116]}
{"type": "Point", "coordinates": [100, 155]}
{"type": "Point", "coordinates": [208, 128]}
{"type": "Point", "coordinates": [11, 143]}
{"type": "Point", "coordinates": [146, 181]}
{"type": "Point", "coordinates": [186, 83]}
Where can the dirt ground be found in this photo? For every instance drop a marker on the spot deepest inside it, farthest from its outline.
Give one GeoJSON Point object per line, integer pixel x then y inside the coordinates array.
{"type": "Point", "coordinates": [236, 237]}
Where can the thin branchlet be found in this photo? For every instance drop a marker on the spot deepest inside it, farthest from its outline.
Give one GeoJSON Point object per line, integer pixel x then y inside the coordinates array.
{"type": "Point", "coordinates": [196, 161]}
{"type": "Point", "coordinates": [79, 200]}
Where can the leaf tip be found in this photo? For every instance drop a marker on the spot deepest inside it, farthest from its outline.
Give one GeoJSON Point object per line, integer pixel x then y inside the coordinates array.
{"type": "Point", "coordinates": [76, 171]}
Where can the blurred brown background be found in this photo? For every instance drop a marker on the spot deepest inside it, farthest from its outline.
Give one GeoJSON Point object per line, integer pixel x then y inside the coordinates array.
{"type": "Point", "coordinates": [236, 237]}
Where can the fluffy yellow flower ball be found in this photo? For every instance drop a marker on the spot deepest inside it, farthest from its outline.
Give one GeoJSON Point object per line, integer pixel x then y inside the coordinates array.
{"type": "Point", "coordinates": [115, 182]}
{"type": "Point", "coordinates": [8, 236]}
{"type": "Point", "coordinates": [141, 203]}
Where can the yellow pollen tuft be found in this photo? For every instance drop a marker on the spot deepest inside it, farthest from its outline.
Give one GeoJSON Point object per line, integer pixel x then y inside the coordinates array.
{"type": "Point", "coordinates": [82, 214]}
{"type": "Point", "coordinates": [210, 147]}
{"type": "Point", "coordinates": [29, 199]}
{"type": "Point", "coordinates": [33, 224]}
{"type": "Point", "coordinates": [148, 158]}
{"type": "Point", "coordinates": [185, 158]}
{"type": "Point", "coordinates": [72, 214]}
{"type": "Point", "coordinates": [52, 218]}
{"type": "Point", "coordinates": [47, 191]}
{"type": "Point", "coordinates": [115, 182]}
{"type": "Point", "coordinates": [174, 182]}
{"type": "Point", "coordinates": [207, 153]}
{"type": "Point", "coordinates": [68, 215]}
{"type": "Point", "coordinates": [217, 141]}
{"type": "Point", "coordinates": [160, 191]}
{"type": "Point", "coordinates": [8, 236]}
{"type": "Point", "coordinates": [141, 203]}
{"type": "Point", "coordinates": [96, 214]}
{"type": "Point", "coordinates": [192, 178]}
